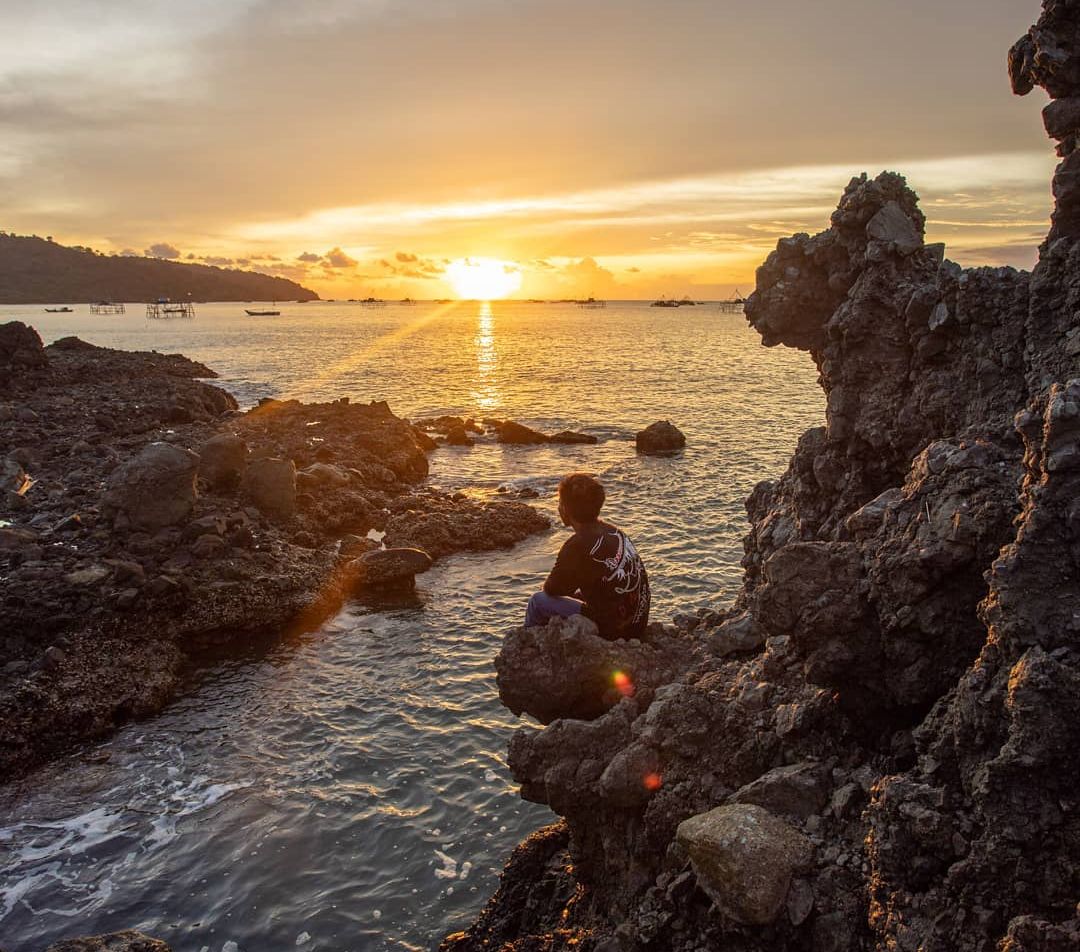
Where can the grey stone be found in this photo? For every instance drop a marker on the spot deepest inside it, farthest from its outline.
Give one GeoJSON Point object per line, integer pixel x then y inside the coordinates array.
{"type": "Point", "coordinates": [738, 634]}
{"type": "Point", "coordinates": [893, 225]}
{"type": "Point", "coordinates": [156, 488]}
{"type": "Point", "coordinates": [222, 460]}
{"type": "Point", "coordinates": [744, 858]}
{"type": "Point", "coordinates": [270, 484]}
{"type": "Point", "coordinates": [799, 790]}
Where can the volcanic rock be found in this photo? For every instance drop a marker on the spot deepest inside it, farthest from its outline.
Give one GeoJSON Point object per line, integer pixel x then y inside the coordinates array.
{"type": "Point", "coordinates": [154, 489]}
{"type": "Point", "coordinates": [570, 437]}
{"type": "Point", "coordinates": [222, 459]}
{"type": "Point", "coordinates": [13, 478]}
{"type": "Point", "coordinates": [270, 484]}
{"type": "Point", "coordinates": [565, 669]}
{"type": "Point", "coordinates": [900, 673]}
{"type": "Point", "coordinates": [20, 347]}
{"type": "Point", "coordinates": [660, 438]}
{"type": "Point", "coordinates": [511, 432]}
{"type": "Point", "coordinates": [126, 941]}
{"type": "Point", "coordinates": [390, 567]}
{"type": "Point", "coordinates": [457, 436]}
{"type": "Point", "coordinates": [744, 858]}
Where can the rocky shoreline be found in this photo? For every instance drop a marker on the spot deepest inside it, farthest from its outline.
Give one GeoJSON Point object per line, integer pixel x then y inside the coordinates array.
{"type": "Point", "coordinates": [876, 746]}
{"type": "Point", "coordinates": [144, 518]}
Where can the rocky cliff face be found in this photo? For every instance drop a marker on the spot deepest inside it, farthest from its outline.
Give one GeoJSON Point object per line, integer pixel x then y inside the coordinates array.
{"type": "Point", "coordinates": [878, 747]}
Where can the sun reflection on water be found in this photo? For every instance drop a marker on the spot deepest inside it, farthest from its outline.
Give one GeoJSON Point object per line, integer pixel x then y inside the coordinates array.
{"type": "Point", "coordinates": [485, 389]}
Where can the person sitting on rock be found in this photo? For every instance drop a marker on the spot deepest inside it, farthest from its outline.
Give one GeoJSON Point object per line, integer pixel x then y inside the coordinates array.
{"type": "Point", "coordinates": [598, 572]}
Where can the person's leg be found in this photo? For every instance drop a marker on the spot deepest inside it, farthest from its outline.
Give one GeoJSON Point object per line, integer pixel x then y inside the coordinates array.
{"type": "Point", "coordinates": [543, 606]}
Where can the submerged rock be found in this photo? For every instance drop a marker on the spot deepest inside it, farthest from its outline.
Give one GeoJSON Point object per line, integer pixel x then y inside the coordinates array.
{"type": "Point", "coordinates": [660, 438]}
{"type": "Point", "coordinates": [570, 437]}
{"type": "Point", "coordinates": [511, 432]}
{"type": "Point", "coordinates": [126, 941]}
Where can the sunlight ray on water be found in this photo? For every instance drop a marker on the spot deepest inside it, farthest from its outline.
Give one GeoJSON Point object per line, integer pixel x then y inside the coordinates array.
{"type": "Point", "coordinates": [486, 387]}
{"type": "Point", "coordinates": [328, 784]}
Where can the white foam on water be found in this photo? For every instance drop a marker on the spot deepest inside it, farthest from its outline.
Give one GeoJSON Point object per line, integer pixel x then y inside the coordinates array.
{"type": "Point", "coordinates": [449, 867]}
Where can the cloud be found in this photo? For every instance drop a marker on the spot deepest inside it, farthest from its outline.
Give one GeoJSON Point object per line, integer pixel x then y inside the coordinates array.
{"type": "Point", "coordinates": [308, 256]}
{"type": "Point", "coordinates": [336, 258]}
{"type": "Point", "coordinates": [217, 262]}
{"type": "Point", "coordinates": [162, 249]}
{"type": "Point", "coordinates": [418, 267]}
{"type": "Point", "coordinates": [633, 270]}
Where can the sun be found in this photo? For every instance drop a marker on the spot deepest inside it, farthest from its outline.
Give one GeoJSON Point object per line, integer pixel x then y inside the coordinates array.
{"type": "Point", "coordinates": [483, 279]}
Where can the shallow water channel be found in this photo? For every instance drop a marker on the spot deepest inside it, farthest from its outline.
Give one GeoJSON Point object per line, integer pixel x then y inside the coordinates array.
{"type": "Point", "coordinates": [346, 788]}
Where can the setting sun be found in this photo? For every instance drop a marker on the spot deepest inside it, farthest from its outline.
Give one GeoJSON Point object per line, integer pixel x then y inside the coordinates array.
{"type": "Point", "coordinates": [483, 279]}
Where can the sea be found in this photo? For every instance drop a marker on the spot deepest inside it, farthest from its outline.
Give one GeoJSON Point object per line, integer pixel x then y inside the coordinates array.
{"type": "Point", "coordinates": [346, 788]}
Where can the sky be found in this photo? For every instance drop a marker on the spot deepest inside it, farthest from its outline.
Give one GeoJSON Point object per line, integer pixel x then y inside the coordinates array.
{"type": "Point", "coordinates": [615, 148]}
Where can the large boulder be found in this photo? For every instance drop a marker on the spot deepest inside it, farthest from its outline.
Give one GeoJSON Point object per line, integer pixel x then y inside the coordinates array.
{"type": "Point", "coordinates": [390, 568]}
{"type": "Point", "coordinates": [20, 346]}
{"type": "Point", "coordinates": [222, 460]}
{"type": "Point", "coordinates": [744, 858]}
{"type": "Point", "coordinates": [660, 437]}
{"type": "Point", "coordinates": [270, 484]}
{"type": "Point", "coordinates": [511, 432]}
{"type": "Point", "coordinates": [565, 669]}
{"type": "Point", "coordinates": [154, 489]}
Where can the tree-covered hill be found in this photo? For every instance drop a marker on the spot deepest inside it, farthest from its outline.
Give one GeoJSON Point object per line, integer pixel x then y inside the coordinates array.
{"type": "Point", "coordinates": [38, 271]}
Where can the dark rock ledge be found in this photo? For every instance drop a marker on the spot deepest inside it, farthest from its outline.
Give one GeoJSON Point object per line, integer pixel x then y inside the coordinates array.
{"type": "Point", "coordinates": [878, 746]}
{"type": "Point", "coordinates": [143, 518]}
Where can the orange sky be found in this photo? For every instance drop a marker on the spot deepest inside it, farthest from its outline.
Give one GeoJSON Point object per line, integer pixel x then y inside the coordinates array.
{"type": "Point", "coordinates": [618, 149]}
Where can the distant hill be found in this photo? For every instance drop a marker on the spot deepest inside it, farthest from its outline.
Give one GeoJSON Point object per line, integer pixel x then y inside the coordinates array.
{"type": "Point", "coordinates": [37, 271]}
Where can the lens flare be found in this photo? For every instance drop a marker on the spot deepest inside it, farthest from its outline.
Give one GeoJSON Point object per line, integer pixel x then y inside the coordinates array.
{"type": "Point", "coordinates": [623, 684]}
{"type": "Point", "coordinates": [651, 781]}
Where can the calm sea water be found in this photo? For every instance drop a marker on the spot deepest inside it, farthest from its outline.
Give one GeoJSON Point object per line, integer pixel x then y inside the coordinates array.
{"type": "Point", "coordinates": [347, 788]}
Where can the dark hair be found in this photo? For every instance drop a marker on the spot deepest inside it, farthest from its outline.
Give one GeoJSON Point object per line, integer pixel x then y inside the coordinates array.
{"type": "Point", "coordinates": [582, 495]}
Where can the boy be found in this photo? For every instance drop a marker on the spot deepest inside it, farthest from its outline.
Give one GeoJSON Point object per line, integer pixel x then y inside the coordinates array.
{"type": "Point", "coordinates": [598, 571]}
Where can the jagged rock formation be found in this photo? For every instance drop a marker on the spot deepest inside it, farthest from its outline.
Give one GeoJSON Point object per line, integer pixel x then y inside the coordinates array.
{"type": "Point", "coordinates": [898, 683]}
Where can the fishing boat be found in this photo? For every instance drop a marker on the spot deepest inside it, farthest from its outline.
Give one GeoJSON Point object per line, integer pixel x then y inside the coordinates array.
{"type": "Point", "coordinates": [58, 310]}
{"type": "Point", "coordinates": [591, 303]}
{"type": "Point", "coordinates": [252, 313]}
{"type": "Point", "coordinates": [664, 302]}
{"type": "Point", "coordinates": [372, 302]}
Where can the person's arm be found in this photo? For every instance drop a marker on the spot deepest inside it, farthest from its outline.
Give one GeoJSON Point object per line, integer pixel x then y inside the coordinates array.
{"type": "Point", "coordinates": [564, 578]}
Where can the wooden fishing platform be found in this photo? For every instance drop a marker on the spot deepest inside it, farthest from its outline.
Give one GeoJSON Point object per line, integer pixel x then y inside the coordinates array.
{"type": "Point", "coordinates": [164, 308]}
